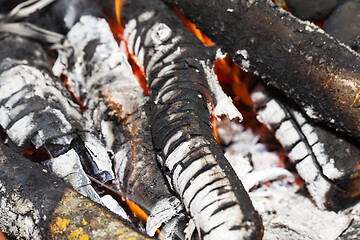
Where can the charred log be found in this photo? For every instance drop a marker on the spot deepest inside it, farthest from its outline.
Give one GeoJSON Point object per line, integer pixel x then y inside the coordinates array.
{"type": "Point", "coordinates": [321, 74]}
{"type": "Point", "coordinates": [37, 205]}
{"type": "Point", "coordinates": [37, 110]}
{"type": "Point", "coordinates": [327, 162]}
{"type": "Point", "coordinates": [98, 71]}
{"type": "Point", "coordinates": [179, 75]}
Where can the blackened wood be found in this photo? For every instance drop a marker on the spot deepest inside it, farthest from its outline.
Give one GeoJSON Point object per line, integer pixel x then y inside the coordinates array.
{"type": "Point", "coordinates": [115, 103]}
{"type": "Point", "coordinates": [311, 67]}
{"type": "Point", "coordinates": [37, 109]}
{"type": "Point", "coordinates": [35, 204]}
{"type": "Point", "coordinates": [176, 65]}
{"type": "Point", "coordinates": [28, 195]}
{"type": "Point", "coordinates": [314, 150]}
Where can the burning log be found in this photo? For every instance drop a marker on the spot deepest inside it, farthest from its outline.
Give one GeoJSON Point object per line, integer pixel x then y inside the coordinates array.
{"type": "Point", "coordinates": [327, 162]}
{"type": "Point", "coordinates": [38, 114]}
{"type": "Point", "coordinates": [318, 72]}
{"type": "Point", "coordinates": [37, 205]}
{"type": "Point", "coordinates": [97, 69]}
{"type": "Point", "coordinates": [182, 86]}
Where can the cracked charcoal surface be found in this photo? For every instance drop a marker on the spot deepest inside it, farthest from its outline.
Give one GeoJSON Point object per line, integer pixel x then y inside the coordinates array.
{"type": "Point", "coordinates": [106, 80]}
{"type": "Point", "coordinates": [313, 10]}
{"type": "Point", "coordinates": [37, 109]}
{"type": "Point", "coordinates": [344, 23]}
{"type": "Point", "coordinates": [175, 63]}
{"type": "Point", "coordinates": [24, 210]}
{"type": "Point", "coordinates": [321, 74]}
{"type": "Point", "coordinates": [332, 159]}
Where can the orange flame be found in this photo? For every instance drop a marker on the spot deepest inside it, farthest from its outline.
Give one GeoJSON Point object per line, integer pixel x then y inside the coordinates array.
{"type": "Point", "coordinates": [118, 8]}
{"type": "Point", "coordinates": [192, 27]}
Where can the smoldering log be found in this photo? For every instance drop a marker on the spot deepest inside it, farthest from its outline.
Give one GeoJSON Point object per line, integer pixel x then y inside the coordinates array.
{"type": "Point", "coordinates": [38, 113]}
{"type": "Point", "coordinates": [311, 67]}
{"type": "Point", "coordinates": [97, 69]}
{"type": "Point", "coordinates": [38, 205]}
{"type": "Point", "coordinates": [327, 162]}
{"type": "Point", "coordinates": [179, 79]}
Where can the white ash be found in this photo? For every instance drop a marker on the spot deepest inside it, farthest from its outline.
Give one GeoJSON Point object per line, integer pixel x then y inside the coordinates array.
{"type": "Point", "coordinates": [146, 16]}
{"type": "Point", "coordinates": [258, 177]}
{"type": "Point", "coordinates": [286, 213]}
{"type": "Point", "coordinates": [173, 138]}
{"type": "Point", "coordinates": [160, 33]}
{"type": "Point", "coordinates": [243, 53]}
{"type": "Point", "coordinates": [99, 156]}
{"type": "Point", "coordinates": [190, 229]}
{"type": "Point", "coordinates": [223, 103]}
{"type": "Point", "coordinates": [107, 132]}
{"type": "Point", "coordinates": [220, 54]}
{"type": "Point", "coordinates": [246, 144]}
{"type": "Point", "coordinates": [127, 95]}
{"type": "Point", "coordinates": [110, 203]}
{"type": "Point", "coordinates": [18, 216]}
{"type": "Point", "coordinates": [120, 160]}
{"type": "Point", "coordinates": [164, 211]}
{"type": "Point", "coordinates": [68, 167]}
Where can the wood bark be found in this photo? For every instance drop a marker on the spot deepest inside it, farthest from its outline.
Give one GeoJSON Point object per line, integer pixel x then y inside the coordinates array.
{"type": "Point", "coordinates": [317, 71]}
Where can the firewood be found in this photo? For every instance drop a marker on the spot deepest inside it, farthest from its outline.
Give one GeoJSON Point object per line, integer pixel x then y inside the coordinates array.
{"type": "Point", "coordinates": [37, 111]}
{"type": "Point", "coordinates": [326, 161]}
{"type": "Point", "coordinates": [181, 84]}
{"type": "Point", "coordinates": [311, 67]}
{"type": "Point", "coordinates": [35, 204]}
{"type": "Point", "coordinates": [96, 68]}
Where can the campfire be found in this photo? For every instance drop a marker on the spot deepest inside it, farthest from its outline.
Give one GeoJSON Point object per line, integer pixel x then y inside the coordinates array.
{"type": "Point", "coordinates": [176, 120]}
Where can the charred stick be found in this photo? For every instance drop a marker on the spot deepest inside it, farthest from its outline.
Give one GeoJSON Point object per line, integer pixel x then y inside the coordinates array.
{"type": "Point", "coordinates": [37, 111]}
{"type": "Point", "coordinates": [327, 162]}
{"type": "Point", "coordinates": [96, 67]}
{"type": "Point", "coordinates": [179, 79]}
{"type": "Point", "coordinates": [311, 67]}
{"type": "Point", "coordinates": [37, 205]}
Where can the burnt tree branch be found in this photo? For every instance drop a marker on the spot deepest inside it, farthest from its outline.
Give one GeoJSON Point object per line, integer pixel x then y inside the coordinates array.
{"type": "Point", "coordinates": [36, 204]}
{"type": "Point", "coordinates": [316, 70]}
{"type": "Point", "coordinates": [179, 75]}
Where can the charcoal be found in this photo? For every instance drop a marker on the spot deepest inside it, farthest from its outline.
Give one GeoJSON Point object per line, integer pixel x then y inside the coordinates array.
{"type": "Point", "coordinates": [313, 10]}
{"type": "Point", "coordinates": [182, 86]}
{"type": "Point", "coordinates": [95, 66]}
{"type": "Point", "coordinates": [36, 108]}
{"type": "Point", "coordinates": [344, 23]}
{"type": "Point", "coordinates": [327, 162]}
{"type": "Point", "coordinates": [318, 72]}
{"type": "Point", "coordinates": [35, 204]}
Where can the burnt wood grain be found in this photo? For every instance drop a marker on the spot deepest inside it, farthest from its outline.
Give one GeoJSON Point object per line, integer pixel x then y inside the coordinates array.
{"type": "Point", "coordinates": [311, 67]}
{"type": "Point", "coordinates": [176, 64]}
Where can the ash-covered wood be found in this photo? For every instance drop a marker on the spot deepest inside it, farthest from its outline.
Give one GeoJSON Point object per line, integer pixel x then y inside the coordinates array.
{"type": "Point", "coordinates": [24, 210]}
{"type": "Point", "coordinates": [327, 163]}
{"type": "Point", "coordinates": [178, 72]}
{"type": "Point", "coordinates": [35, 204]}
{"type": "Point", "coordinates": [37, 111]}
{"type": "Point", "coordinates": [321, 74]}
{"type": "Point", "coordinates": [97, 70]}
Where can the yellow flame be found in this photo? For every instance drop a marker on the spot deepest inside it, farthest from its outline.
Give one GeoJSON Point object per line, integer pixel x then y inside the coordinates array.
{"type": "Point", "coordinates": [118, 7]}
